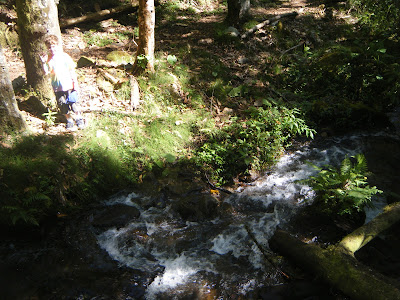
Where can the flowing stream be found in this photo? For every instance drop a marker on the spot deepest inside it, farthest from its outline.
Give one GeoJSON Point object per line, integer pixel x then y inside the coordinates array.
{"type": "Point", "coordinates": [223, 257]}
{"type": "Point", "coordinates": [157, 254]}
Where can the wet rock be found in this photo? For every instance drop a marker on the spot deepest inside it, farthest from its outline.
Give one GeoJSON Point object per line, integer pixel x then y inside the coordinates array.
{"type": "Point", "coordinates": [299, 289]}
{"type": "Point", "coordinates": [394, 118]}
{"type": "Point", "coordinates": [117, 215]}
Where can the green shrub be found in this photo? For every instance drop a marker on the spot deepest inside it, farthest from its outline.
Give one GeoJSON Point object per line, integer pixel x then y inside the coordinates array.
{"type": "Point", "coordinates": [343, 82]}
{"type": "Point", "coordinates": [252, 143]}
{"type": "Point", "coordinates": [380, 16]}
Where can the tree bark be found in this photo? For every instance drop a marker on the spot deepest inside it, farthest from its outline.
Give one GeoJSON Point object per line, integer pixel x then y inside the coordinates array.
{"type": "Point", "coordinates": [146, 46]}
{"type": "Point", "coordinates": [337, 265]}
{"type": "Point", "coordinates": [36, 19]}
{"type": "Point", "coordinates": [10, 116]}
{"type": "Point", "coordinates": [337, 268]}
{"type": "Point", "coordinates": [237, 11]}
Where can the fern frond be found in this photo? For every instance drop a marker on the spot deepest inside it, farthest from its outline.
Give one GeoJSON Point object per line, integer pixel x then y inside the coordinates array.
{"type": "Point", "coordinates": [361, 164]}
{"type": "Point", "coordinates": [344, 189]}
{"type": "Point", "coordinates": [37, 198]}
{"type": "Point", "coordinates": [345, 166]}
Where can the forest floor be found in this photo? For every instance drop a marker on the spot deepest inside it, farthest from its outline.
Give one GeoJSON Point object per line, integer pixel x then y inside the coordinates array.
{"type": "Point", "coordinates": [83, 39]}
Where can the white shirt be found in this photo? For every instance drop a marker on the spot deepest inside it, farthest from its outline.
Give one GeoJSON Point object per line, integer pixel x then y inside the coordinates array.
{"type": "Point", "coordinates": [62, 69]}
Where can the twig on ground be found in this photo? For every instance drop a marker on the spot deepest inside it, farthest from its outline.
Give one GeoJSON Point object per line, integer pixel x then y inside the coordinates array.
{"type": "Point", "coordinates": [267, 22]}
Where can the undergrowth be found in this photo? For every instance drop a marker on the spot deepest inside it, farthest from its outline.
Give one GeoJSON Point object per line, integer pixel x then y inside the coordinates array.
{"type": "Point", "coordinates": [197, 111]}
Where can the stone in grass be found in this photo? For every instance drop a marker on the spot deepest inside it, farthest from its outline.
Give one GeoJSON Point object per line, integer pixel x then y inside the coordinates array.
{"type": "Point", "coordinates": [119, 57]}
{"type": "Point", "coordinates": [85, 62]}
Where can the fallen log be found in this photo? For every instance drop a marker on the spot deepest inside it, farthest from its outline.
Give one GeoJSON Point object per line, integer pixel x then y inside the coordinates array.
{"type": "Point", "coordinates": [336, 267]}
{"type": "Point", "coordinates": [337, 264]}
{"type": "Point", "coordinates": [267, 22]}
{"type": "Point", "coordinates": [99, 15]}
{"type": "Point", "coordinates": [364, 234]}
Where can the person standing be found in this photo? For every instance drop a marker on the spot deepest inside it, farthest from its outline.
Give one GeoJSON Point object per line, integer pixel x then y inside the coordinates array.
{"type": "Point", "coordinates": [64, 81]}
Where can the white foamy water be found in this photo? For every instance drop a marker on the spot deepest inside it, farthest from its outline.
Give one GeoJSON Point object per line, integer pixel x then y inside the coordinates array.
{"type": "Point", "coordinates": [177, 272]}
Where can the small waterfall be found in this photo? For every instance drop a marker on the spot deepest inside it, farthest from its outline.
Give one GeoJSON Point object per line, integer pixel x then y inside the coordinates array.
{"type": "Point", "coordinates": [218, 257]}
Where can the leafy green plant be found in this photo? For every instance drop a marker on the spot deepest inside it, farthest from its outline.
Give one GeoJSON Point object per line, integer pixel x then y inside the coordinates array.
{"type": "Point", "coordinates": [29, 209]}
{"type": "Point", "coordinates": [379, 16]}
{"type": "Point", "coordinates": [142, 61]}
{"type": "Point", "coordinates": [343, 190]}
{"type": "Point", "coordinates": [171, 59]}
{"type": "Point", "coordinates": [50, 117]}
{"type": "Point", "coordinates": [253, 143]}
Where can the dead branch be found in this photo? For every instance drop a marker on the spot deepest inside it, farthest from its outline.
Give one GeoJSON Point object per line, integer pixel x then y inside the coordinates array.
{"type": "Point", "coordinates": [100, 15]}
{"type": "Point", "coordinates": [108, 76]}
{"type": "Point", "coordinates": [364, 234]}
{"type": "Point", "coordinates": [267, 22]}
{"type": "Point", "coordinates": [292, 48]}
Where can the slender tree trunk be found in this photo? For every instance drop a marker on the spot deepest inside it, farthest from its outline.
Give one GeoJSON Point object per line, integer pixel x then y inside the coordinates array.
{"type": "Point", "coordinates": [10, 116]}
{"type": "Point", "coordinates": [36, 19]}
{"type": "Point", "coordinates": [237, 11]}
{"type": "Point", "coordinates": [146, 45]}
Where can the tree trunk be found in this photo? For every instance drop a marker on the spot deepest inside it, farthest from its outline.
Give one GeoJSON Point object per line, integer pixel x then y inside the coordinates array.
{"type": "Point", "coordinates": [337, 265]}
{"type": "Point", "coordinates": [36, 19]}
{"type": "Point", "coordinates": [237, 11]}
{"type": "Point", "coordinates": [146, 46]}
{"type": "Point", "coordinates": [10, 116]}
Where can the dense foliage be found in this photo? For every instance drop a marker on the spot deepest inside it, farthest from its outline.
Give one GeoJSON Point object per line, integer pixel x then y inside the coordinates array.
{"type": "Point", "coordinates": [252, 143]}
{"type": "Point", "coordinates": [381, 17]}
